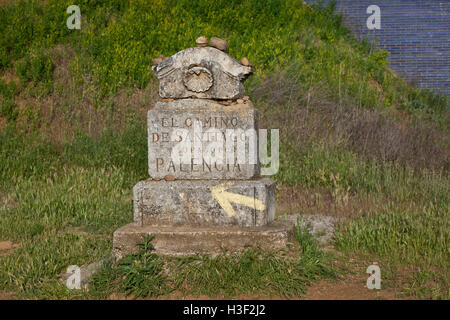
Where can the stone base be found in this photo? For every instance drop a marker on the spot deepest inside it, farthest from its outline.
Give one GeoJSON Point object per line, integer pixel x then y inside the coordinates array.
{"type": "Point", "coordinates": [244, 203]}
{"type": "Point", "coordinates": [188, 241]}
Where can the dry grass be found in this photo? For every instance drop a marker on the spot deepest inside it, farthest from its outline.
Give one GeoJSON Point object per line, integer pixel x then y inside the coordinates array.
{"type": "Point", "coordinates": [309, 114]}
{"type": "Point", "coordinates": [294, 200]}
{"type": "Point", "coordinates": [76, 105]}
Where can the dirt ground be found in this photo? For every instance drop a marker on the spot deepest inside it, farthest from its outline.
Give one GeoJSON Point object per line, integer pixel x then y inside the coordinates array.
{"type": "Point", "coordinates": [352, 287]}
{"type": "Point", "coordinates": [6, 296]}
{"type": "Point", "coordinates": [7, 247]}
{"type": "Point", "coordinates": [3, 2]}
{"type": "Point", "coordinates": [349, 287]}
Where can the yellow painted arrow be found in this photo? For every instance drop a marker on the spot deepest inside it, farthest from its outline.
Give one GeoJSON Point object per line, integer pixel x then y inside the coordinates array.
{"type": "Point", "coordinates": [225, 198]}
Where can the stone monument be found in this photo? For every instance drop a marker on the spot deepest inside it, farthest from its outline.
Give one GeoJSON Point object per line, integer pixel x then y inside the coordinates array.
{"type": "Point", "coordinates": [205, 194]}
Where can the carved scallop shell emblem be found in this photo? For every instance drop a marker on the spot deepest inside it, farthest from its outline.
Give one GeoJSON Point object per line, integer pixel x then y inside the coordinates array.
{"type": "Point", "coordinates": [198, 79]}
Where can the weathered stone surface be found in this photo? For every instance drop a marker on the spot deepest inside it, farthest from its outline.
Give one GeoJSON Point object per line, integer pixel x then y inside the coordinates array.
{"type": "Point", "coordinates": [218, 43]}
{"type": "Point", "coordinates": [204, 202]}
{"type": "Point", "coordinates": [86, 272]}
{"type": "Point", "coordinates": [188, 241]}
{"type": "Point", "coordinates": [201, 41]}
{"type": "Point", "coordinates": [322, 227]}
{"type": "Point", "coordinates": [170, 122]}
{"type": "Point", "coordinates": [201, 72]}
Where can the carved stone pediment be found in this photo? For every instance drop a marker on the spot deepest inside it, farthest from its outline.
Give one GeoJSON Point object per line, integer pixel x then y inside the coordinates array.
{"type": "Point", "coordinates": [201, 72]}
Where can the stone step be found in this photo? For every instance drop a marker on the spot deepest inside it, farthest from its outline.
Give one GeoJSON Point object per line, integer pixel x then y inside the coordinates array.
{"type": "Point", "coordinates": [245, 203]}
{"type": "Point", "coordinates": [188, 241]}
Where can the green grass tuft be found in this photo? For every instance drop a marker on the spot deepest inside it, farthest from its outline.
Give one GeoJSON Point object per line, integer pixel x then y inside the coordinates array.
{"type": "Point", "coordinates": [250, 273]}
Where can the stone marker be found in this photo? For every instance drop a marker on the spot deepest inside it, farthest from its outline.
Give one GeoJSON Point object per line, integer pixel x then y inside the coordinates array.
{"type": "Point", "coordinates": [204, 194]}
{"type": "Point", "coordinates": [167, 120]}
{"type": "Point", "coordinates": [187, 241]}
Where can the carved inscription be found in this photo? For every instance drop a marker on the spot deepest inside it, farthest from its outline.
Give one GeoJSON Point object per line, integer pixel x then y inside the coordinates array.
{"type": "Point", "coordinates": [203, 145]}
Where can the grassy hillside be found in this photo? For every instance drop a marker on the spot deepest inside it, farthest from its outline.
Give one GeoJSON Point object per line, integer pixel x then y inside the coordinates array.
{"type": "Point", "coordinates": [356, 140]}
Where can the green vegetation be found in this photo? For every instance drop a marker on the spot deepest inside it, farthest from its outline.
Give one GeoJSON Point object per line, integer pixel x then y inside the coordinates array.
{"type": "Point", "coordinates": [355, 138]}
{"type": "Point", "coordinates": [248, 273]}
{"type": "Point", "coordinates": [118, 40]}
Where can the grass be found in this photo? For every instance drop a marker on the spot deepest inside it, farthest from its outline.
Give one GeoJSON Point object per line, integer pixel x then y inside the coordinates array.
{"type": "Point", "coordinates": [406, 224]}
{"type": "Point", "coordinates": [60, 221]}
{"type": "Point", "coordinates": [119, 39]}
{"type": "Point", "coordinates": [63, 222]}
{"type": "Point", "coordinates": [140, 274]}
{"type": "Point", "coordinates": [250, 273]}
{"type": "Point", "coordinates": [414, 242]}
{"type": "Point", "coordinates": [53, 211]}
{"type": "Point", "coordinates": [357, 140]}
